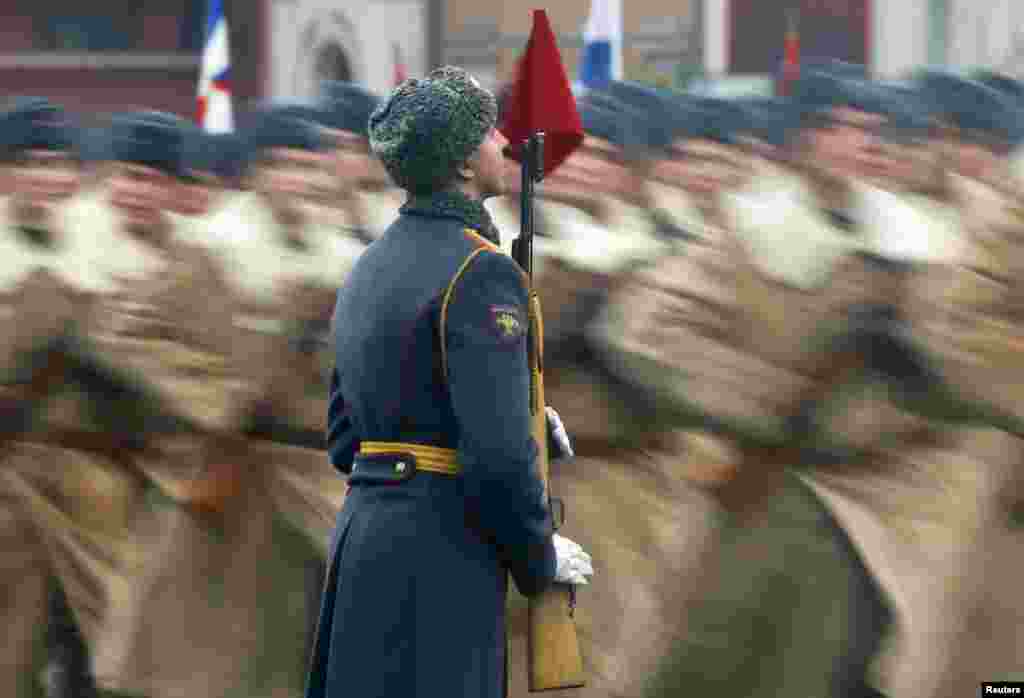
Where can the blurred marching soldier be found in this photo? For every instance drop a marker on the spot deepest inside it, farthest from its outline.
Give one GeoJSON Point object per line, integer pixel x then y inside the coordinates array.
{"type": "Point", "coordinates": [879, 239]}
{"type": "Point", "coordinates": [885, 492]}
{"type": "Point", "coordinates": [1013, 187]}
{"type": "Point", "coordinates": [596, 231]}
{"type": "Point", "coordinates": [201, 624]}
{"type": "Point", "coordinates": [74, 474]}
{"type": "Point", "coordinates": [787, 251]}
{"type": "Point", "coordinates": [41, 175]}
{"type": "Point", "coordinates": [366, 194]}
{"type": "Point", "coordinates": [966, 316]}
{"type": "Point", "coordinates": [626, 459]}
{"type": "Point", "coordinates": [673, 516]}
{"type": "Point", "coordinates": [429, 416]}
{"type": "Point", "coordinates": [163, 318]}
{"type": "Point", "coordinates": [689, 332]}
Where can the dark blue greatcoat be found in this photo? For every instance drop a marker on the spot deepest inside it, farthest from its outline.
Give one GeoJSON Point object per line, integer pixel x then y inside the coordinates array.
{"type": "Point", "coordinates": [415, 595]}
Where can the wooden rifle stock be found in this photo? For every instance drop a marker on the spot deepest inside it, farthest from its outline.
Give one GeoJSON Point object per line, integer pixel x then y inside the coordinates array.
{"type": "Point", "coordinates": [555, 661]}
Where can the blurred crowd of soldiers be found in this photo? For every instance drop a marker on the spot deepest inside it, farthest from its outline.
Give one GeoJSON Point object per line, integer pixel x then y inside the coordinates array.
{"type": "Point", "coordinates": [807, 307]}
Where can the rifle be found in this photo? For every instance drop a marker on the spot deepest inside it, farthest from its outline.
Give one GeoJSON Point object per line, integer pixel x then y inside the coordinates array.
{"type": "Point", "coordinates": [553, 647]}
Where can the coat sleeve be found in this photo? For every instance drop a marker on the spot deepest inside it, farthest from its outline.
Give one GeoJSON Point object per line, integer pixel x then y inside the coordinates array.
{"type": "Point", "coordinates": [342, 440]}
{"type": "Point", "coordinates": [489, 381]}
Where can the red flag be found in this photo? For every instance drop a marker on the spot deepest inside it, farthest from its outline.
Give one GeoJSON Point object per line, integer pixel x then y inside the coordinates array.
{"type": "Point", "coordinates": [540, 99]}
{"type": "Point", "coordinates": [791, 56]}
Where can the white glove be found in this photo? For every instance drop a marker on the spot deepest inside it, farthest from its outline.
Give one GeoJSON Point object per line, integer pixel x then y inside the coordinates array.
{"type": "Point", "coordinates": [574, 565]}
{"type": "Point", "coordinates": [558, 435]}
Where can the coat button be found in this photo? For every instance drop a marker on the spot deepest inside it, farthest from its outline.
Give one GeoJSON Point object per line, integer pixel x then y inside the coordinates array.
{"type": "Point", "coordinates": [400, 467]}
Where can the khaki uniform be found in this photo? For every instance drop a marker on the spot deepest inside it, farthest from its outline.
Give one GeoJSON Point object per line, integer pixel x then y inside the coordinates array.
{"type": "Point", "coordinates": [580, 262]}
{"type": "Point", "coordinates": [923, 511]}
{"type": "Point", "coordinates": [914, 505]}
{"type": "Point", "coordinates": [966, 314]}
{"type": "Point", "coordinates": [676, 329]}
{"type": "Point", "coordinates": [909, 506]}
{"type": "Point", "coordinates": [284, 292]}
{"type": "Point", "coordinates": [728, 330]}
{"type": "Point", "coordinates": [76, 509]}
{"type": "Point", "coordinates": [215, 576]}
{"type": "Point", "coordinates": [165, 317]}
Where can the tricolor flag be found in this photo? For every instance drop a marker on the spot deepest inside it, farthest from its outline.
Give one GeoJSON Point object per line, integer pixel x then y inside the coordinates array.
{"type": "Point", "coordinates": [601, 62]}
{"type": "Point", "coordinates": [214, 95]}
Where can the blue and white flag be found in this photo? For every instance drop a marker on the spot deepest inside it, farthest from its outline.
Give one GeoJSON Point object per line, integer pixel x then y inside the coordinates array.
{"type": "Point", "coordinates": [601, 61]}
{"type": "Point", "coordinates": [214, 95]}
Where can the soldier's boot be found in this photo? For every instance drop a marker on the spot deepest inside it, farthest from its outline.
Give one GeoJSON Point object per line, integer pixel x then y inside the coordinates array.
{"type": "Point", "coordinates": [67, 673]}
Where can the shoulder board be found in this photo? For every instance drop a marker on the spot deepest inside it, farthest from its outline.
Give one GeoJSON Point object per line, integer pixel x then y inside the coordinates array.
{"type": "Point", "coordinates": [479, 240]}
{"type": "Point", "coordinates": [449, 292]}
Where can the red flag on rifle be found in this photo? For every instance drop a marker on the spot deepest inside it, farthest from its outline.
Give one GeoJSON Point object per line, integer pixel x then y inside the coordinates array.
{"type": "Point", "coordinates": [540, 99]}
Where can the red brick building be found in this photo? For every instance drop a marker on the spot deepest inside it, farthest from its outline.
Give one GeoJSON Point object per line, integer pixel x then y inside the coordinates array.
{"type": "Point", "coordinates": [106, 55]}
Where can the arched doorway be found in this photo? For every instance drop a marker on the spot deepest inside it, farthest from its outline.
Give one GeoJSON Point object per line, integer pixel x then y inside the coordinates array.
{"type": "Point", "coordinates": [332, 63]}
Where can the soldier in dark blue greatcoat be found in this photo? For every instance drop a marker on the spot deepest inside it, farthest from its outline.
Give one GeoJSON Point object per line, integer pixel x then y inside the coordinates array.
{"type": "Point", "coordinates": [429, 416]}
